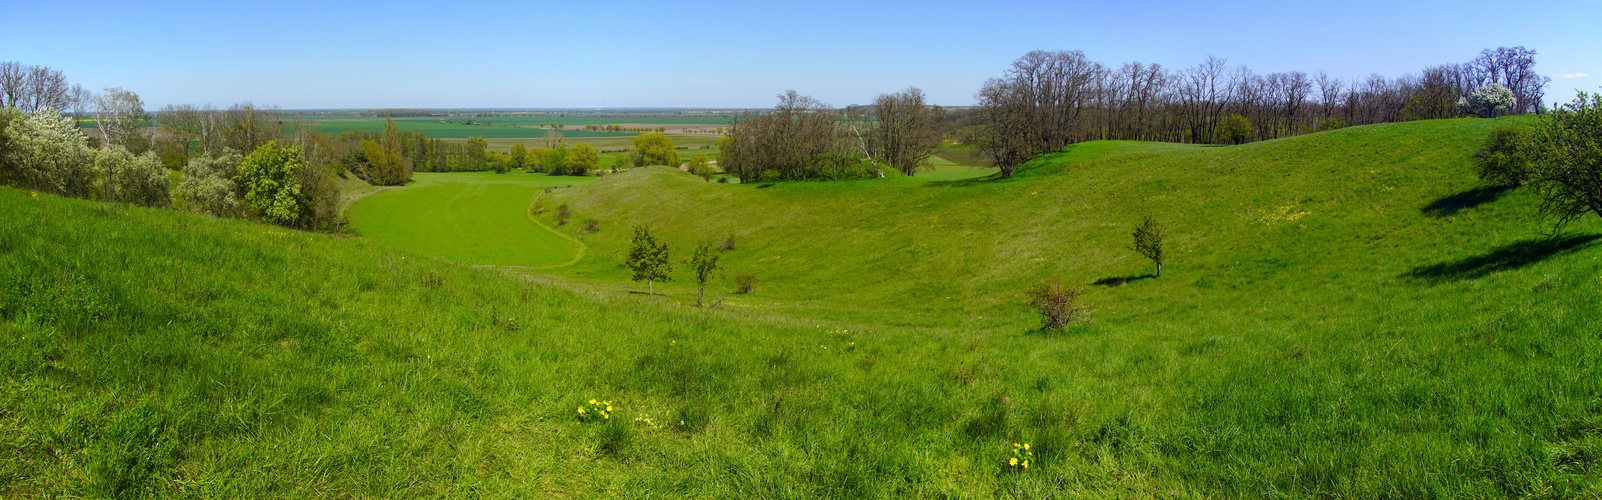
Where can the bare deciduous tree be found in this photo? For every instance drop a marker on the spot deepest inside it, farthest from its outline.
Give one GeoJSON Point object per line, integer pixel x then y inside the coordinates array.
{"type": "Point", "coordinates": [905, 130]}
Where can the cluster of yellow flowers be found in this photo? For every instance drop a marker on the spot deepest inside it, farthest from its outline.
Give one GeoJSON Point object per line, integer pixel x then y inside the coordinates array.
{"type": "Point", "coordinates": [595, 410]}
{"type": "Point", "coordinates": [648, 422]}
{"type": "Point", "coordinates": [1020, 456]}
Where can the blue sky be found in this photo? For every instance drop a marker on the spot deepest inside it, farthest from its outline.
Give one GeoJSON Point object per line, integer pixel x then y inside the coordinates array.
{"type": "Point", "coordinates": [577, 54]}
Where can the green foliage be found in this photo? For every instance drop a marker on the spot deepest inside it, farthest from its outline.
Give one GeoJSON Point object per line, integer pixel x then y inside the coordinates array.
{"type": "Point", "coordinates": [1568, 160]}
{"type": "Point", "coordinates": [385, 165]}
{"type": "Point", "coordinates": [122, 176]}
{"type": "Point", "coordinates": [704, 263]}
{"type": "Point", "coordinates": [1234, 128]}
{"type": "Point", "coordinates": [701, 166]}
{"type": "Point", "coordinates": [1149, 241]}
{"type": "Point", "coordinates": [268, 176]}
{"type": "Point", "coordinates": [519, 155]}
{"type": "Point", "coordinates": [582, 160]}
{"type": "Point", "coordinates": [649, 259]}
{"type": "Point", "coordinates": [622, 162]}
{"type": "Point", "coordinates": [1331, 123]}
{"type": "Point", "coordinates": [1059, 305]}
{"type": "Point", "coordinates": [653, 148]}
{"type": "Point", "coordinates": [1505, 158]}
{"type": "Point", "coordinates": [745, 283]}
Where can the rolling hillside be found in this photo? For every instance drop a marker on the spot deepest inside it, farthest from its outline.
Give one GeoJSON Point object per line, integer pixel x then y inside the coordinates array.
{"type": "Point", "coordinates": [1346, 314]}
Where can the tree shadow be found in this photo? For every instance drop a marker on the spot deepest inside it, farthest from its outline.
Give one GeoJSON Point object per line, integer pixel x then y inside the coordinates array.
{"type": "Point", "coordinates": [1507, 257]}
{"type": "Point", "coordinates": [1120, 280]}
{"type": "Point", "coordinates": [1452, 204]}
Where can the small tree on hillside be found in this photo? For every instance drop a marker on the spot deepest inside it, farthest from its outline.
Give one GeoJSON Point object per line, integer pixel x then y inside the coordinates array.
{"type": "Point", "coordinates": [1149, 241]}
{"type": "Point", "coordinates": [653, 148]}
{"type": "Point", "coordinates": [705, 265]}
{"type": "Point", "coordinates": [701, 166]}
{"type": "Point", "coordinates": [648, 257]}
{"type": "Point", "coordinates": [582, 160]}
{"type": "Point", "coordinates": [1567, 167]}
{"type": "Point", "coordinates": [1059, 305]}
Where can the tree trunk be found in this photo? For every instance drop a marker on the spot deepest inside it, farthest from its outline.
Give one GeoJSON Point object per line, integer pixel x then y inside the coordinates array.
{"type": "Point", "coordinates": [698, 292]}
{"type": "Point", "coordinates": [650, 287]}
{"type": "Point", "coordinates": [1159, 269]}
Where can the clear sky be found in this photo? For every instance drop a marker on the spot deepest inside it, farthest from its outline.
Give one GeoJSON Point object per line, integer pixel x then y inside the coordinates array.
{"type": "Point", "coordinates": [623, 53]}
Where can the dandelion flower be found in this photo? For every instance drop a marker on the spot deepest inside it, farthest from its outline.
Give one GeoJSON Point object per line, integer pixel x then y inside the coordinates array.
{"type": "Point", "coordinates": [1012, 462]}
{"type": "Point", "coordinates": [1025, 446]}
{"type": "Point", "coordinates": [592, 401]}
{"type": "Point", "coordinates": [1026, 464]}
{"type": "Point", "coordinates": [1015, 445]}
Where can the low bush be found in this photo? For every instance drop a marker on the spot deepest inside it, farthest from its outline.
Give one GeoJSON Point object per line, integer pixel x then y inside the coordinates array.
{"type": "Point", "coordinates": [1059, 305]}
{"type": "Point", "coordinates": [745, 283]}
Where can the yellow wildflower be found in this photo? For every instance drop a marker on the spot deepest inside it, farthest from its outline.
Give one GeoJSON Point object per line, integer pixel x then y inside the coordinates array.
{"type": "Point", "coordinates": [1026, 464]}
{"type": "Point", "coordinates": [592, 401]}
{"type": "Point", "coordinates": [1012, 462]}
{"type": "Point", "coordinates": [1026, 446]}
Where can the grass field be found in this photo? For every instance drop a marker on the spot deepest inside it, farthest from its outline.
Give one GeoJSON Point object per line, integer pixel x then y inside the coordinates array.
{"type": "Point", "coordinates": [475, 218]}
{"type": "Point", "coordinates": [1346, 314]}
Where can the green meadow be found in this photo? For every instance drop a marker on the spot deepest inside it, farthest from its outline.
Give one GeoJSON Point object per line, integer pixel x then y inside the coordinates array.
{"type": "Point", "coordinates": [1343, 314]}
{"type": "Point", "coordinates": [478, 218]}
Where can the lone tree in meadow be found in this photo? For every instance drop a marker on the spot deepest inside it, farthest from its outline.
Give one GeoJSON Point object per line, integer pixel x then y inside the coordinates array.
{"type": "Point", "coordinates": [1149, 241]}
{"type": "Point", "coordinates": [648, 257]}
{"type": "Point", "coordinates": [705, 265]}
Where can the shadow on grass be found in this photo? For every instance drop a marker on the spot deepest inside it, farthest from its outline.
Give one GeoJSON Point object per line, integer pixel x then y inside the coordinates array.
{"type": "Point", "coordinates": [1120, 280]}
{"type": "Point", "coordinates": [1452, 204]}
{"type": "Point", "coordinates": [1507, 257]}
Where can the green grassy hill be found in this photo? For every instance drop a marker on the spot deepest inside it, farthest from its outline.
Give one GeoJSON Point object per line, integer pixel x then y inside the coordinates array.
{"type": "Point", "coordinates": [1346, 314]}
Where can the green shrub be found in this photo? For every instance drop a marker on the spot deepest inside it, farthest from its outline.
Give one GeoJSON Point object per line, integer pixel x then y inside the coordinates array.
{"type": "Point", "coordinates": [745, 283]}
{"type": "Point", "coordinates": [125, 177]}
{"type": "Point", "coordinates": [1504, 160]}
{"type": "Point", "coordinates": [272, 189]}
{"type": "Point", "coordinates": [207, 185]}
{"type": "Point", "coordinates": [769, 175]}
{"type": "Point", "coordinates": [1059, 305]}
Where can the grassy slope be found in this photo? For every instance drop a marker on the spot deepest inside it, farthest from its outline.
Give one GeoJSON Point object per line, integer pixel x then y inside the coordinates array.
{"type": "Point", "coordinates": [1367, 348]}
{"type": "Point", "coordinates": [474, 218]}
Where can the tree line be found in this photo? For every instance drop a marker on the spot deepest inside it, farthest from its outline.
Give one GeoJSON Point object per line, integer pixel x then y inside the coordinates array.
{"type": "Point", "coordinates": [1049, 99]}
{"type": "Point", "coordinates": [802, 138]}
